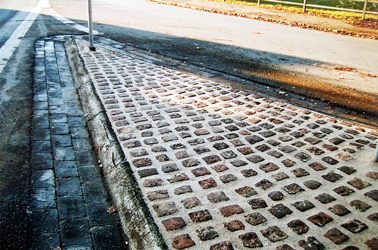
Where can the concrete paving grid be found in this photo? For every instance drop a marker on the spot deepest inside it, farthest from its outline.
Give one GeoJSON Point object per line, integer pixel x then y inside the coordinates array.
{"type": "Point", "coordinates": [221, 168]}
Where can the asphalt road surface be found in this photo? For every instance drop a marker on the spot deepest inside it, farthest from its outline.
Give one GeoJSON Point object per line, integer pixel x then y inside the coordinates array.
{"type": "Point", "coordinates": [286, 57]}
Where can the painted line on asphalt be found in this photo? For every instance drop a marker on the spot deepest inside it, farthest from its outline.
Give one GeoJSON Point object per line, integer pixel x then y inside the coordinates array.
{"type": "Point", "coordinates": [10, 46]}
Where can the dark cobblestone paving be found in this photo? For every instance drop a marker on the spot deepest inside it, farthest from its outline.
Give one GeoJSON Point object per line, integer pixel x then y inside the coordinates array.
{"type": "Point", "coordinates": [70, 208]}
{"type": "Point", "coordinates": [222, 168]}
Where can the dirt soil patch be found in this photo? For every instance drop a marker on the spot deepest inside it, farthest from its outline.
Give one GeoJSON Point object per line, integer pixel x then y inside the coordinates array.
{"type": "Point", "coordinates": [365, 29]}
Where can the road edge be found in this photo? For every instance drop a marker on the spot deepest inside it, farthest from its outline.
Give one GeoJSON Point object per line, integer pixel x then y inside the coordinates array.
{"type": "Point", "coordinates": [137, 222]}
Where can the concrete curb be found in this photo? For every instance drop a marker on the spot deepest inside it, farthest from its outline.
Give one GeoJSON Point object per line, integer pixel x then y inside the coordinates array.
{"type": "Point", "coordinates": [136, 220]}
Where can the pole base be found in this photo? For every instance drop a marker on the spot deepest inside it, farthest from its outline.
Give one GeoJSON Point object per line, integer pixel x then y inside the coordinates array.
{"type": "Point", "coordinates": [92, 48]}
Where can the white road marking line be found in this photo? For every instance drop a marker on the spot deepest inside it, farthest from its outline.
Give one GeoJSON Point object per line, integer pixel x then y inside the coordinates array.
{"type": "Point", "coordinates": [10, 46]}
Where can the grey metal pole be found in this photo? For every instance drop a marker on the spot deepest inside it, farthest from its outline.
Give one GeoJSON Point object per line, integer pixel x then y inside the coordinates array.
{"type": "Point", "coordinates": [376, 154]}
{"type": "Point", "coordinates": [90, 26]}
{"type": "Point", "coordinates": [364, 10]}
{"type": "Point", "coordinates": [304, 5]}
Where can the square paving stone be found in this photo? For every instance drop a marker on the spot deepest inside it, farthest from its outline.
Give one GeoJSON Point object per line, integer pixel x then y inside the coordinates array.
{"type": "Point", "coordinates": [264, 184]}
{"type": "Point", "coordinates": [207, 233]}
{"type": "Point", "coordinates": [312, 184]}
{"type": "Point", "coordinates": [191, 202]}
{"type": "Point", "coordinates": [61, 140]}
{"type": "Point", "coordinates": [108, 237]}
{"type": "Point", "coordinates": [82, 144]}
{"type": "Point", "coordinates": [372, 243]}
{"type": "Point", "coordinates": [43, 198]}
{"type": "Point", "coordinates": [288, 163]}
{"type": "Point", "coordinates": [227, 178]}
{"type": "Point", "coordinates": [200, 171]}
{"type": "Point", "coordinates": [168, 168]}
{"type": "Point", "coordinates": [41, 147]}
{"type": "Point", "coordinates": [355, 226]}
{"type": "Point", "coordinates": [343, 191]}
{"type": "Point", "coordinates": [248, 172]}
{"type": "Point", "coordinates": [165, 208]}
{"type": "Point", "coordinates": [207, 183]}
{"type": "Point", "coordinates": [211, 159]}
{"type": "Point", "coordinates": [40, 134]}
{"type": "Point", "coordinates": [65, 169]}
{"type": "Point", "coordinates": [217, 197]}
{"type": "Point", "coordinates": [44, 241]}
{"type": "Point", "coordinates": [75, 232]}
{"type": "Point", "coordinates": [142, 162]}
{"type": "Point", "coordinates": [59, 128]}
{"type": "Point", "coordinates": [63, 154]}
{"type": "Point", "coordinates": [250, 240]}
{"type": "Point", "coordinates": [358, 183]}
{"type": "Point", "coordinates": [224, 245]}
{"type": "Point", "coordinates": [182, 241]}
{"type": "Point", "coordinates": [280, 211]}
{"type": "Point", "coordinates": [174, 223]}
{"type": "Point", "coordinates": [246, 191]}
{"type": "Point", "coordinates": [71, 207]}
{"type": "Point", "coordinates": [255, 158]}
{"type": "Point", "coordinates": [201, 150]}
{"type": "Point", "coordinates": [298, 226]}
{"type": "Point", "coordinates": [98, 214]}
{"type": "Point", "coordinates": [255, 218]}
{"type": "Point", "coordinates": [274, 234]}
{"type": "Point", "coordinates": [280, 176]}
{"type": "Point", "coordinates": [311, 244]}
{"type": "Point", "coordinates": [336, 236]}
{"type": "Point", "coordinates": [276, 195]}
{"type": "Point", "coordinates": [238, 163]}
{"type": "Point", "coordinates": [200, 216]}
{"type": "Point", "coordinates": [153, 182]}
{"type": "Point", "coordinates": [42, 178]}
{"type": "Point", "coordinates": [44, 221]}
{"type": "Point", "coordinates": [373, 194]}
{"type": "Point", "coordinates": [320, 219]}
{"type": "Point", "coordinates": [41, 161]}
{"type": "Point", "coordinates": [234, 225]}
{"type": "Point", "coordinates": [330, 160]}
{"type": "Point", "coordinates": [325, 198]}
{"type": "Point", "coordinates": [191, 163]}
{"type": "Point", "coordinates": [76, 121]}
{"type": "Point", "coordinates": [300, 172]}
{"type": "Point", "coordinates": [183, 190]}
{"type": "Point", "coordinates": [268, 167]}
{"type": "Point", "coordinates": [231, 210]}
{"type": "Point", "coordinates": [70, 186]}
{"type": "Point", "coordinates": [317, 166]}
{"type": "Point", "coordinates": [360, 205]}
{"type": "Point", "coordinates": [339, 210]}
{"type": "Point", "coordinates": [284, 247]}
{"type": "Point", "coordinates": [94, 189]}
{"type": "Point", "coordinates": [157, 195]}
{"type": "Point", "coordinates": [257, 203]}
{"type": "Point", "coordinates": [293, 188]}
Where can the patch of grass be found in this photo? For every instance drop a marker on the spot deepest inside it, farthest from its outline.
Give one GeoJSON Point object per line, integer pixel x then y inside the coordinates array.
{"type": "Point", "coordinates": [336, 14]}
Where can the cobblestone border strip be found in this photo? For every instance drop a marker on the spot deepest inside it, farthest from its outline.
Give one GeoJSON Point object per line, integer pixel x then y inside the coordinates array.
{"type": "Point", "coordinates": [136, 220]}
{"type": "Point", "coordinates": [70, 206]}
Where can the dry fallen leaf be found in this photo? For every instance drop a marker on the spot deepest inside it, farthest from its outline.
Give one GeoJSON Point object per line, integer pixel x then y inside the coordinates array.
{"type": "Point", "coordinates": [112, 210]}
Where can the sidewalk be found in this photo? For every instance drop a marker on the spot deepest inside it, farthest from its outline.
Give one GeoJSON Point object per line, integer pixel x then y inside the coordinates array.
{"type": "Point", "coordinates": [194, 163]}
